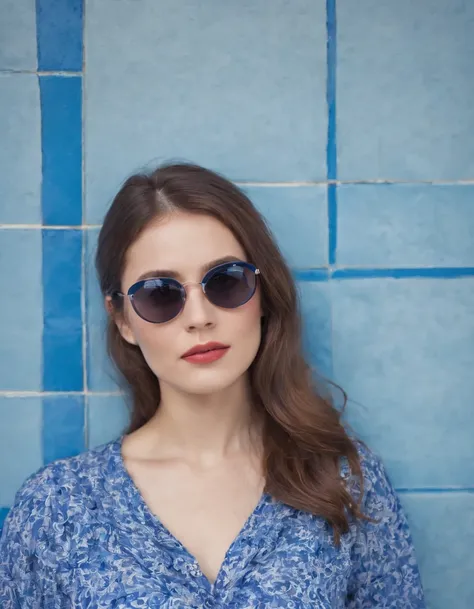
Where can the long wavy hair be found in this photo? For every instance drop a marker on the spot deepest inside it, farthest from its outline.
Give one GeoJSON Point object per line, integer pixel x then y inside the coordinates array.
{"type": "Point", "coordinates": [304, 438]}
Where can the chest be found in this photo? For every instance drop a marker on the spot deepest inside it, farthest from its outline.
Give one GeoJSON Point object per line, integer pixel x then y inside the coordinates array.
{"type": "Point", "coordinates": [283, 558]}
{"type": "Point", "coordinates": [204, 511]}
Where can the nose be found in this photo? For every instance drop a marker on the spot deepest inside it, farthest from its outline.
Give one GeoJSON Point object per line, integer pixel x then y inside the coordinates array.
{"type": "Point", "coordinates": [198, 312]}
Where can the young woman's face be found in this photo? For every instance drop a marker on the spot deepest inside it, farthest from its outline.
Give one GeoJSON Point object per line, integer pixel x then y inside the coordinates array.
{"type": "Point", "coordinates": [187, 244]}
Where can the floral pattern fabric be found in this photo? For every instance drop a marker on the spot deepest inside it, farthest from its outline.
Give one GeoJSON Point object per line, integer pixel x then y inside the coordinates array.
{"type": "Point", "coordinates": [80, 536]}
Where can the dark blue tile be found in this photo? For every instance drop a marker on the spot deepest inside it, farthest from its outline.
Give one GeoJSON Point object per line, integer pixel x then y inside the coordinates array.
{"type": "Point", "coordinates": [315, 302]}
{"type": "Point", "coordinates": [406, 225]}
{"type": "Point", "coordinates": [59, 33]}
{"type": "Point", "coordinates": [20, 149]}
{"type": "Point", "coordinates": [403, 351]}
{"type": "Point", "coordinates": [21, 310]}
{"type": "Point", "coordinates": [331, 89]}
{"type": "Point", "coordinates": [20, 443]}
{"type": "Point", "coordinates": [443, 532]}
{"type": "Point", "coordinates": [18, 35]}
{"type": "Point", "coordinates": [304, 210]}
{"type": "Point", "coordinates": [62, 337]}
{"type": "Point", "coordinates": [108, 418]}
{"type": "Point", "coordinates": [101, 375]}
{"type": "Point", "coordinates": [403, 273]}
{"type": "Point", "coordinates": [245, 90]}
{"type": "Point", "coordinates": [63, 426]}
{"type": "Point", "coordinates": [61, 107]}
{"type": "Point", "coordinates": [332, 223]}
{"type": "Point", "coordinates": [404, 89]}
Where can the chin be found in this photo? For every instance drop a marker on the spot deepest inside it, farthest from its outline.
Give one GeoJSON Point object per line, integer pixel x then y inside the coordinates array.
{"type": "Point", "coordinates": [209, 386]}
{"type": "Point", "coordinates": [202, 382]}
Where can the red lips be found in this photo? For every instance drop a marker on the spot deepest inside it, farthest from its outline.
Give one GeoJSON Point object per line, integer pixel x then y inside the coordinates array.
{"type": "Point", "coordinates": [203, 348]}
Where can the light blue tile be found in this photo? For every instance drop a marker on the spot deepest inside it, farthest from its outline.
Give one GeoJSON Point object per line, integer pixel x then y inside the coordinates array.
{"type": "Point", "coordinates": [100, 372]}
{"type": "Point", "coordinates": [297, 217]}
{"type": "Point", "coordinates": [63, 426]}
{"type": "Point", "coordinates": [108, 418]}
{"type": "Point", "coordinates": [403, 349]}
{"type": "Point", "coordinates": [443, 533]}
{"type": "Point", "coordinates": [405, 225]}
{"type": "Point", "coordinates": [20, 151]}
{"type": "Point", "coordinates": [18, 35]}
{"type": "Point", "coordinates": [21, 310]}
{"type": "Point", "coordinates": [20, 443]}
{"type": "Point", "coordinates": [404, 89]}
{"type": "Point", "coordinates": [238, 87]}
{"type": "Point", "coordinates": [315, 303]}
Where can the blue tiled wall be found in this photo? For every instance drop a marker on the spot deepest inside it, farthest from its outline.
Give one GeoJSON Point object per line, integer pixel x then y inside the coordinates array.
{"type": "Point", "coordinates": [351, 126]}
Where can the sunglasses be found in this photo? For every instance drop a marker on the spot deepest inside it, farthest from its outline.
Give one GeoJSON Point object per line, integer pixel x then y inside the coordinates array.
{"type": "Point", "coordinates": [160, 299]}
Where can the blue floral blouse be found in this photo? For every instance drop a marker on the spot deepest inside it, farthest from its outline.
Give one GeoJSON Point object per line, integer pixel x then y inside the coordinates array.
{"type": "Point", "coordinates": [81, 536]}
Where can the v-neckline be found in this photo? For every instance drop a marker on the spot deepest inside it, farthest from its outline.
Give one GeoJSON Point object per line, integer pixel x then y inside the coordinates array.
{"type": "Point", "coordinates": [137, 500]}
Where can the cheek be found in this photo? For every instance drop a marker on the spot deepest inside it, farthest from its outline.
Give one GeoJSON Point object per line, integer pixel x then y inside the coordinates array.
{"type": "Point", "coordinates": [154, 341]}
{"type": "Point", "coordinates": [253, 308]}
{"type": "Point", "coordinates": [244, 325]}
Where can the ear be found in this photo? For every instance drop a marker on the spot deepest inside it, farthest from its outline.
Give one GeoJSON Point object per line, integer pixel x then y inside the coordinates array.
{"type": "Point", "coordinates": [120, 320]}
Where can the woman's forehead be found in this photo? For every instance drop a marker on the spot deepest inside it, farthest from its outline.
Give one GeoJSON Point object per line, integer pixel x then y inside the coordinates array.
{"type": "Point", "coordinates": [184, 243]}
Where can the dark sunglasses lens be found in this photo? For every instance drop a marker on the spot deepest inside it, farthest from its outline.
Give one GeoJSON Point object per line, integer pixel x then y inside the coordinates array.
{"type": "Point", "coordinates": [232, 286]}
{"type": "Point", "coordinates": [158, 300]}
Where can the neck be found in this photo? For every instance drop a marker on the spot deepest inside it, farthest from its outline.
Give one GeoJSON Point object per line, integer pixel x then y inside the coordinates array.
{"type": "Point", "coordinates": [204, 428]}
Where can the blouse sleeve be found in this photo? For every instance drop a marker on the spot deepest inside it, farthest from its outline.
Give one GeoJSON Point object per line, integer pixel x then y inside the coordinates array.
{"type": "Point", "coordinates": [385, 572]}
{"type": "Point", "coordinates": [22, 580]}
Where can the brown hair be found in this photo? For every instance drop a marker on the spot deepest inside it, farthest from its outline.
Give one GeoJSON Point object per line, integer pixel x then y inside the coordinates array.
{"type": "Point", "coordinates": [304, 438]}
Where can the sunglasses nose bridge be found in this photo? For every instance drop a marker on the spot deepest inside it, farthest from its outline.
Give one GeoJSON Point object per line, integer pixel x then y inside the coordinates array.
{"type": "Point", "coordinates": [189, 283]}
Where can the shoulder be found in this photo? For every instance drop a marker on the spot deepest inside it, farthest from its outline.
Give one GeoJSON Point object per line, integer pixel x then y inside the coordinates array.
{"type": "Point", "coordinates": [385, 521]}
{"type": "Point", "coordinates": [82, 472]}
{"type": "Point", "coordinates": [52, 495]}
{"type": "Point", "coordinates": [375, 478]}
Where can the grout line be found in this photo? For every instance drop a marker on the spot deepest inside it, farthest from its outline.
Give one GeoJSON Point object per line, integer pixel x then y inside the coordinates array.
{"type": "Point", "coordinates": [42, 361]}
{"type": "Point", "coordinates": [43, 72]}
{"type": "Point", "coordinates": [84, 242]}
{"type": "Point", "coordinates": [57, 73]}
{"type": "Point", "coordinates": [280, 184]}
{"type": "Point", "coordinates": [48, 227]}
{"type": "Point", "coordinates": [374, 181]}
{"type": "Point", "coordinates": [42, 394]}
{"type": "Point", "coordinates": [395, 182]}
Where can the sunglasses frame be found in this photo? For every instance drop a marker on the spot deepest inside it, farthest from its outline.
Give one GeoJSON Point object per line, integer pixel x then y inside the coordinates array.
{"type": "Point", "coordinates": [133, 289]}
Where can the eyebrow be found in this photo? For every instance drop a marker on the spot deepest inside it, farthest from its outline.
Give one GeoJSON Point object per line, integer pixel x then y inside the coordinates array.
{"type": "Point", "coordinates": [177, 275]}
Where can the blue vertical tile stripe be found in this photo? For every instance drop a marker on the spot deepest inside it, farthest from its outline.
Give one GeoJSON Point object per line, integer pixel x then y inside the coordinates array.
{"type": "Point", "coordinates": [63, 426]}
{"type": "Point", "coordinates": [3, 514]}
{"type": "Point", "coordinates": [331, 89]}
{"type": "Point", "coordinates": [332, 223]}
{"type": "Point", "coordinates": [59, 25]}
{"type": "Point", "coordinates": [331, 159]}
{"type": "Point", "coordinates": [62, 317]}
{"type": "Point", "coordinates": [59, 28]}
{"type": "Point", "coordinates": [61, 128]}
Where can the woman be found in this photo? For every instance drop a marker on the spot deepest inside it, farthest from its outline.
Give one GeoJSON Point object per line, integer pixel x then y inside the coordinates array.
{"type": "Point", "coordinates": [237, 485]}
